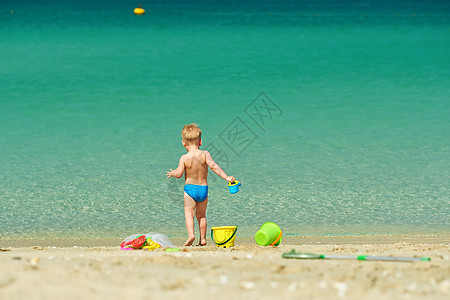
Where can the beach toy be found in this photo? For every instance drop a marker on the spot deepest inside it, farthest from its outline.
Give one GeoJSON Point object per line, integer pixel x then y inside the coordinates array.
{"type": "Point", "coordinates": [224, 236]}
{"type": "Point", "coordinates": [300, 255]}
{"type": "Point", "coordinates": [127, 248]}
{"type": "Point", "coordinates": [135, 242]}
{"type": "Point", "coordinates": [138, 242]}
{"type": "Point", "coordinates": [139, 10]}
{"type": "Point", "coordinates": [150, 245]}
{"type": "Point", "coordinates": [233, 186]}
{"type": "Point", "coordinates": [125, 244]}
{"type": "Point", "coordinates": [148, 241]}
{"type": "Point", "coordinates": [172, 249]}
{"type": "Point", "coordinates": [269, 234]}
{"type": "Point", "coordinates": [161, 239]}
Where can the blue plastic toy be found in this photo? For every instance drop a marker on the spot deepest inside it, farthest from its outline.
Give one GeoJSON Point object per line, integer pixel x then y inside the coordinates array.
{"type": "Point", "coordinates": [234, 186]}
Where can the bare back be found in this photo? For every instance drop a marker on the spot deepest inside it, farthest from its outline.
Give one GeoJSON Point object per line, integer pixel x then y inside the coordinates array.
{"type": "Point", "coordinates": [196, 168]}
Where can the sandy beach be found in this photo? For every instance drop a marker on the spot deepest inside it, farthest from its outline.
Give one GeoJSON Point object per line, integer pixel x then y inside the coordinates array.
{"type": "Point", "coordinates": [246, 271]}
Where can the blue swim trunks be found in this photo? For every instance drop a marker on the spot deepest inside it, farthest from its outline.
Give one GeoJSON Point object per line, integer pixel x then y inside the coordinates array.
{"type": "Point", "coordinates": [197, 192]}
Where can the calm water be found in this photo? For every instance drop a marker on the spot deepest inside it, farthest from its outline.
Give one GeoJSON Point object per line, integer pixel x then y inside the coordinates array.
{"type": "Point", "coordinates": [352, 136]}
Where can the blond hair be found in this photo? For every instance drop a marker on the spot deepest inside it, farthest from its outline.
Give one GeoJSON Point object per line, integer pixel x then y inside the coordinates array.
{"type": "Point", "coordinates": [191, 133]}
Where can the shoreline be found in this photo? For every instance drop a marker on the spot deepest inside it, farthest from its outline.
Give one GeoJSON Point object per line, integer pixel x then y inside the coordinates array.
{"type": "Point", "coordinates": [443, 238]}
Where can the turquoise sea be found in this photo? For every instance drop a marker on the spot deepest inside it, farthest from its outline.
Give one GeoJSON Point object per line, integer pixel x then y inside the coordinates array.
{"type": "Point", "coordinates": [333, 114]}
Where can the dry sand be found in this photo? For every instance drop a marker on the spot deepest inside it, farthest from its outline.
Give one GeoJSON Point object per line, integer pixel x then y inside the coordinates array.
{"type": "Point", "coordinates": [241, 272]}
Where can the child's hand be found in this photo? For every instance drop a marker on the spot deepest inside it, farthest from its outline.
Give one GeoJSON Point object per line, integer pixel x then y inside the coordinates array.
{"type": "Point", "coordinates": [169, 174]}
{"type": "Point", "coordinates": [230, 178]}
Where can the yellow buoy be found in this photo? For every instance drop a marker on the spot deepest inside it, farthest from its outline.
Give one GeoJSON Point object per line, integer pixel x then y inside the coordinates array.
{"type": "Point", "coordinates": [139, 11]}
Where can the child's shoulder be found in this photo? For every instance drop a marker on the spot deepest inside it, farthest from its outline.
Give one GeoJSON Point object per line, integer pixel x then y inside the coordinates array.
{"type": "Point", "coordinates": [184, 157]}
{"type": "Point", "coordinates": [205, 154]}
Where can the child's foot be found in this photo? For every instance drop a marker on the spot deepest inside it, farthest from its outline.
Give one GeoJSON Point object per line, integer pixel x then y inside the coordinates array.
{"type": "Point", "coordinates": [189, 241]}
{"type": "Point", "coordinates": [202, 243]}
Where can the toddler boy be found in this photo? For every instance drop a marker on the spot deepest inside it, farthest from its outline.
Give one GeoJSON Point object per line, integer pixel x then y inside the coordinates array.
{"type": "Point", "coordinates": [194, 165]}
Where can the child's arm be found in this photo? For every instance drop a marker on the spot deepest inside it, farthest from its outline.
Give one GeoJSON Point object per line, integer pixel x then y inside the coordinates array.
{"type": "Point", "coordinates": [217, 169]}
{"type": "Point", "coordinates": [178, 172]}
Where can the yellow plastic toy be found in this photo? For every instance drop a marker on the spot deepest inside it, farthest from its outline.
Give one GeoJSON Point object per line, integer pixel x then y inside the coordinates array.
{"type": "Point", "coordinates": [224, 236]}
{"type": "Point", "coordinates": [150, 245]}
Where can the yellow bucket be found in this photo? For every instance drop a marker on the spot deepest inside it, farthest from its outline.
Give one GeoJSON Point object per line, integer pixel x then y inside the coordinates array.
{"type": "Point", "coordinates": [224, 236]}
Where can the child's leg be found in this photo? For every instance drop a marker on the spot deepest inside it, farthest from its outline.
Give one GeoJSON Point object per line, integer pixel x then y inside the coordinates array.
{"type": "Point", "coordinates": [201, 218]}
{"type": "Point", "coordinates": [189, 212]}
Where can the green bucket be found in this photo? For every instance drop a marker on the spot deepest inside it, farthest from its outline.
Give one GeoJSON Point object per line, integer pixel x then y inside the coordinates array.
{"type": "Point", "coordinates": [269, 234]}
